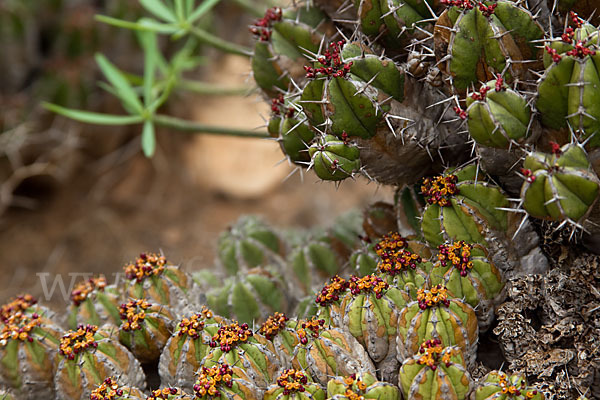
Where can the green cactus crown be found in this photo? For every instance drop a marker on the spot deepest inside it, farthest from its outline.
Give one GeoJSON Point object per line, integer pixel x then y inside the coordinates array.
{"type": "Point", "coordinates": [83, 289]}
{"type": "Point", "coordinates": [75, 342]}
{"type": "Point", "coordinates": [273, 325]}
{"type": "Point", "coordinates": [146, 265]}
{"type": "Point", "coordinates": [440, 189]}
{"type": "Point", "coordinates": [228, 336]}
{"type": "Point", "coordinates": [432, 354]}
{"type": "Point", "coordinates": [292, 380]}
{"type": "Point", "coordinates": [211, 379]}
{"type": "Point", "coordinates": [433, 297]}
{"type": "Point", "coordinates": [133, 314]}
{"type": "Point", "coordinates": [458, 255]}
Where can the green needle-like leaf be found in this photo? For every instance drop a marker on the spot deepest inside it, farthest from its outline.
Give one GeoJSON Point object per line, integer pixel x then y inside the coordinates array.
{"type": "Point", "coordinates": [160, 10]}
{"type": "Point", "coordinates": [93, 117]}
{"type": "Point", "coordinates": [144, 24]}
{"type": "Point", "coordinates": [205, 7]}
{"type": "Point", "coordinates": [120, 83]}
{"type": "Point", "coordinates": [148, 139]}
{"type": "Point", "coordinates": [151, 56]}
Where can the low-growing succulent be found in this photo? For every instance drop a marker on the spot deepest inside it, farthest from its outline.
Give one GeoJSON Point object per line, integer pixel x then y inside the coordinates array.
{"type": "Point", "coordinates": [145, 328]}
{"type": "Point", "coordinates": [293, 384]}
{"type": "Point", "coordinates": [468, 274]}
{"type": "Point", "coordinates": [358, 386]}
{"type": "Point", "coordinates": [247, 244]}
{"type": "Point", "coordinates": [559, 186]}
{"type": "Point", "coordinates": [94, 302]}
{"type": "Point", "coordinates": [29, 344]}
{"type": "Point", "coordinates": [435, 373]}
{"type": "Point", "coordinates": [324, 351]}
{"type": "Point", "coordinates": [186, 348]}
{"type": "Point", "coordinates": [498, 385]}
{"type": "Point", "coordinates": [436, 316]}
{"type": "Point", "coordinates": [88, 356]}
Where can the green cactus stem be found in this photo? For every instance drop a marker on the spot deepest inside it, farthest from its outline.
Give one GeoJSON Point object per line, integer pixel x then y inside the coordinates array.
{"type": "Point", "coordinates": [94, 302]}
{"type": "Point", "coordinates": [357, 386]}
{"type": "Point", "coordinates": [559, 186]}
{"type": "Point", "coordinates": [294, 385]}
{"type": "Point", "coordinates": [436, 373]}
{"type": "Point", "coordinates": [334, 159]}
{"type": "Point", "coordinates": [500, 386]}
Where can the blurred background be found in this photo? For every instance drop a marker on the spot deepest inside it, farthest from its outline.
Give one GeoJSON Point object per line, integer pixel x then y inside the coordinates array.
{"type": "Point", "coordinates": [83, 198]}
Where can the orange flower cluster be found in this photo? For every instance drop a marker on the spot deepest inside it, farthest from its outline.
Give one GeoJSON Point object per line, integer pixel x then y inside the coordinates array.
{"type": "Point", "coordinates": [18, 326]}
{"type": "Point", "coordinates": [146, 265]}
{"type": "Point", "coordinates": [134, 314]}
{"type": "Point", "coordinates": [273, 325]}
{"type": "Point", "coordinates": [391, 242]}
{"type": "Point", "coordinates": [433, 353]}
{"type": "Point", "coordinates": [81, 291]}
{"type": "Point", "coordinates": [75, 342]}
{"type": "Point", "coordinates": [440, 189]}
{"type": "Point", "coordinates": [163, 394]}
{"type": "Point", "coordinates": [292, 380]}
{"type": "Point", "coordinates": [332, 291]}
{"type": "Point", "coordinates": [192, 326]}
{"type": "Point", "coordinates": [108, 390]}
{"type": "Point", "coordinates": [230, 335]}
{"type": "Point", "coordinates": [314, 326]}
{"type": "Point", "coordinates": [511, 390]}
{"type": "Point", "coordinates": [350, 393]}
{"type": "Point", "coordinates": [211, 378]}
{"type": "Point", "coordinates": [432, 297]}
{"type": "Point", "coordinates": [458, 254]}
{"type": "Point", "coordinates": [394, 256]}
{"type": "Point", "coordinates": [369, 283]}
{"type": "Point", "coordinates": [20, 303]}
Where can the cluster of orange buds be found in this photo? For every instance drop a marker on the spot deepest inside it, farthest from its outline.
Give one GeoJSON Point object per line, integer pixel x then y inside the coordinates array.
{"type": "Point", "coordinates": [230, 335]}
{"type": "Point", "coordinates": [18, 326]}
{"type": "Point", "coordinates": [513, 391]}
{"type": "Point", "coordinates": [19, 304]}
{"type": "Point", "coordinates": [145, 265]}
{"type": "Point", "coordinates": [458, 254]}
{"type": "Point", "coordinates": [108, 390]}
{"type": "Point", "coordinates": [209, 380]}
{"type": "Point", "coordinates": [81, 291]}
{"type": "Point", "coordinates": [192, 326]}
{"type": "Point", "coordinates": [393, 263]}
{"type": "Point", "coordinates": [440, 189]}
{"type": "Point", "coordinates": [163, 394]}
{"type": "Point", "coordinates": [314, 326]}
{"type": "Point", "coordinates": [75, 342]}
{"type": "Point", "coordinates": [350, 393]}
{"type": "Point", "coordinates": [369, 283]}
{"type": "Point", "coordinates": [292, 380]}
{"type": "Point", "coordinates": [273, 325]}
{"type": "Point", "coordinates": [433, 353]}
{"type": "Point", "coordinates": [391, 242]}
{"type": "Point", "coordinates": [133, 313]}
{"type": "Point", "coordinates": [432, 297]}
{"type": "Point", "coordinates": [332, 291]}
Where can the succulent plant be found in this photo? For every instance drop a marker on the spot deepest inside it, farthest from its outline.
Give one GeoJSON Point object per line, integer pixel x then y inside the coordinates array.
{"type": "Point", "coordinates": [462, 207]}
{"type": "Point", "coordinates": [221, 381]}
{"type": "Point", "coordinates": [498, 116]}
{"type": "Point", "coordinates": [475, 39]}
{"type": "Point", "coordinates": [334, 159]}
{"type": "Point", "coordinates": [251, 355]}
{"type": "Point", "coordinates": [435, 373]}
{"type": "Point", "coordinates": [294, 385]}
{"type": "Point", "coordinates": [249, 297]}
{"type": "Point", "coordinates": [559, 186]}
{"type": "Point", "coordinates": [186, 348]}
{"type": "Point", "coordinates": [88, 356]}
{"type": "Point", "coordinates": [152, 277]}
{"type": "Point", "coordinates": [365, 385]}
{"type": "Point", "coordinates": [499, 385]}
{"type": "Point", "coordinates": [145, 328]}
{"type": "Point", "coordinates": [324, 351]}
{"type": "Point", "coordinates": [567, 90]}
{"type": "Point", "coordinates": [168, 393]}
{"type": "Point", "coordinates": [94, 302]}
{"type": "Point", "coordinates": [247, 244]}
{"type": "Point", "coordinates": [436, 316]}
{"type": "Point", "coordinates": [110, 389]}
{"type": "Point", "coordinates": [468, 274]}
{"type": "Point", "coordinates": [28, 348]}
{"type": "Point", "coordinates": [286, 41]}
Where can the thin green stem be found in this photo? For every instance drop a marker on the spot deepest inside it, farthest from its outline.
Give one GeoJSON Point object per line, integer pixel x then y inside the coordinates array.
{"type": "Point", "coordinates": [194, 127]}
{"type": "Point", "coordinates": [220, 44]}
{"type": "Point", "coordinates": [211, 89]}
